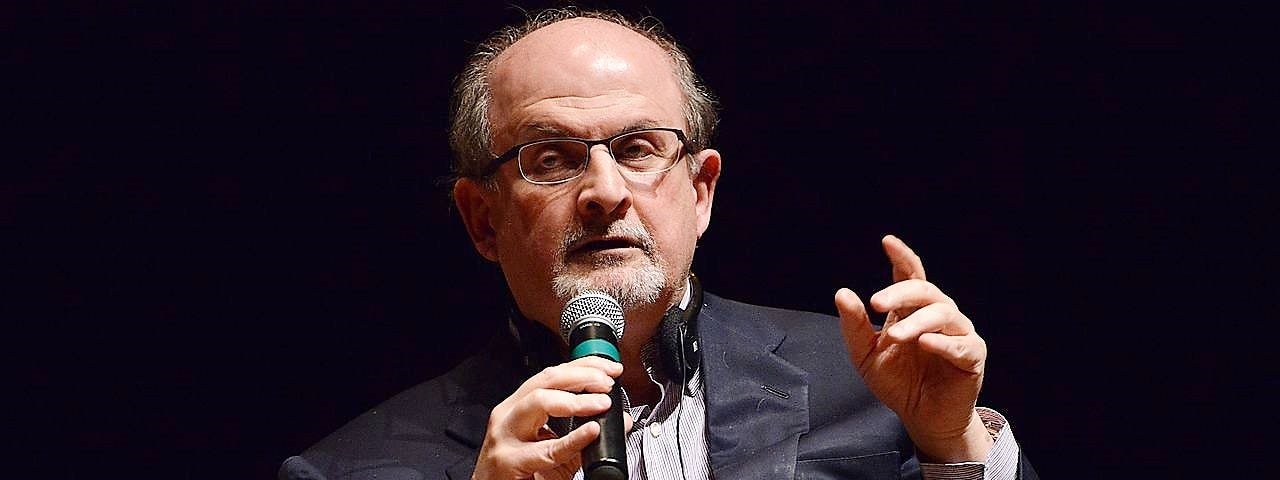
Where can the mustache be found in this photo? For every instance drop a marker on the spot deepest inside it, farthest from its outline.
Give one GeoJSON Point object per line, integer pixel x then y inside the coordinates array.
{"type": "Point", "coordinates": [633, 232]}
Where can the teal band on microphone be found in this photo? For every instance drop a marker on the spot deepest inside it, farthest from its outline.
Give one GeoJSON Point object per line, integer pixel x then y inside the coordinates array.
{"type": "Point", "coordinates": [596, 346]}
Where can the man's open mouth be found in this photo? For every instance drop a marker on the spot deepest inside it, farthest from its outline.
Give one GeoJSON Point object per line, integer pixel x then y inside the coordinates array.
{"type": "Point", "coordinates": [605, 244]}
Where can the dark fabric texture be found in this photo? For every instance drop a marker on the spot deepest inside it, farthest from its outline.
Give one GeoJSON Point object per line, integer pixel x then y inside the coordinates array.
{"type": "Point", "coordinates": [783, 401]}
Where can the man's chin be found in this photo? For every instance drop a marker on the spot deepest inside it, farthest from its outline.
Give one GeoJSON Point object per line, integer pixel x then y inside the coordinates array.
{"type": "Point", "coordinates": [604, 279]}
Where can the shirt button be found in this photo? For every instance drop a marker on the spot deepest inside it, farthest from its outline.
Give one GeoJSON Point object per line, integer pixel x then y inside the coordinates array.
{"type": "Point", "coordinates": [655, 429]}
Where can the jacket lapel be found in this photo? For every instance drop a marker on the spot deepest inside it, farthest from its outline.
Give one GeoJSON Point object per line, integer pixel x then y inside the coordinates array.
{"type": "Point", "coordinates": [757, 402]}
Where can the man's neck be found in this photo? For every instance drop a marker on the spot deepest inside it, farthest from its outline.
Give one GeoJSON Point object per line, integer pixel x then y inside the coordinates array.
{"type": "Point", "coordinates": [642, 325]}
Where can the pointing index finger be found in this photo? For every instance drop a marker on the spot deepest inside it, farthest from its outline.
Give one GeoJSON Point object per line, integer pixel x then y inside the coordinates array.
{"type": "Point", "coordinates": [906, 264]}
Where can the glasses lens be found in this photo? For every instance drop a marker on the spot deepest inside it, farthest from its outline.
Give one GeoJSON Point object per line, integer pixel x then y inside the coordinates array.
{"type": "Point", "coordinates": [552, 160]}
{"type": "Point", "coordinates": [646, 150]}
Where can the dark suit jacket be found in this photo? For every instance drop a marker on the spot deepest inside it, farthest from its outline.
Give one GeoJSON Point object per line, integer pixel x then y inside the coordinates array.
{"type": "Point", "coordinates": [822, 422]}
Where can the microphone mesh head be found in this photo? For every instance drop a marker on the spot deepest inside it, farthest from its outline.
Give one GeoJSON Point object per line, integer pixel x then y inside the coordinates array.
{"type": "Point", "coordinates": [590, 306]}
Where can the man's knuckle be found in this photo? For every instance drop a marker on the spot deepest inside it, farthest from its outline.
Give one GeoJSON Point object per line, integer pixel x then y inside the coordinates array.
{"type": "Point", "coordinates": [549, 373]}
{"type": "Point", "coordinates": [933, 291]}
{"type": "Point", "coordinates": [541, 398]}
{"type": "Point", "coordinates": [549, 453]}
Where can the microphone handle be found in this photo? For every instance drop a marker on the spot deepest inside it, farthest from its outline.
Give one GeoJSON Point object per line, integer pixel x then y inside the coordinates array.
{"type": "Point", "coordinates": [605, 458]}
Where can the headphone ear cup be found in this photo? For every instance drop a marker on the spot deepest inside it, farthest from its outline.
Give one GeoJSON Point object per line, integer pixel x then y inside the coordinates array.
{"type": "Point", "coordinates": [689, 328]}
{"type": "Point", "coordinates": [679, 331]}
{"type": "Point", "coordinates": [691, 355]}
{"type": "Point", "coordinates": [669, 333]}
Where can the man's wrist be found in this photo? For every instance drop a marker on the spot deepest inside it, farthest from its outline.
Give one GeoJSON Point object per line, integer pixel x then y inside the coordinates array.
{"type": "Point", "coordinates": [971, 445]}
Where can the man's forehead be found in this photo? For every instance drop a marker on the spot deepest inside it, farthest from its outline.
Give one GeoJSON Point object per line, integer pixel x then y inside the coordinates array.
{"type": "Point", "coordinates": [584, 65]}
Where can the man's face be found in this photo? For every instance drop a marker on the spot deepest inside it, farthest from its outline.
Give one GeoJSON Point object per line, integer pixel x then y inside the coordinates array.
{"type": "Point", "coordinates": [630, 236]}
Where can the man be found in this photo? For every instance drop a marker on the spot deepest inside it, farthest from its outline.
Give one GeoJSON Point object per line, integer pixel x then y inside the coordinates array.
{"type": "Point", "coordinates": [580, 143]}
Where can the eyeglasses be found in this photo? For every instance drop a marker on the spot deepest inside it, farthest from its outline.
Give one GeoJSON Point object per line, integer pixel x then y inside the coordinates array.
{"type": "Point", "coordinates": [550, 161]}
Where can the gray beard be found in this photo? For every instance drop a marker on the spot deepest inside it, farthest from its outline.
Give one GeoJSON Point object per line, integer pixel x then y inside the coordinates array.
{"type": "Point", "coordinates": [637, 288]}
{"type": "Point", "coordinates": [632, 287]}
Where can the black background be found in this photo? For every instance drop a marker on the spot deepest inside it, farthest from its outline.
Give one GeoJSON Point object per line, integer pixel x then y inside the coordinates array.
{"type": "Point", "coordinates": [226, 230]}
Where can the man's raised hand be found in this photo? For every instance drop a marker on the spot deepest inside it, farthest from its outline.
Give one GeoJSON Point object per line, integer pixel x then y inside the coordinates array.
{"type": "Point", "coordinates": [926, 364]}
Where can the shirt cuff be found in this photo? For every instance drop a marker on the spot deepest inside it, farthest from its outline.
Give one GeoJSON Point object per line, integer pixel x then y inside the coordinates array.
{"type": "Point", "coordinates": [1001, 464]}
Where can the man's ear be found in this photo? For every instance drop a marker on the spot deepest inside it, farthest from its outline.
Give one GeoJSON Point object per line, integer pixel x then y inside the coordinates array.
{"type": "Point", "coordinates": [473, 200]}
{"type": "Point", "coordinates": [704, 184]}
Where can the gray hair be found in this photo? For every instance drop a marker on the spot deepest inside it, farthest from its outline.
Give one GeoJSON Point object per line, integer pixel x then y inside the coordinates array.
{"type": "Point", "coordinates": [471, 133]}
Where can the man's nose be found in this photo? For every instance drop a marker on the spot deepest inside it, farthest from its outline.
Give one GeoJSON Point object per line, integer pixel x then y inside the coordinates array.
{"type": "Point", "coordinates": [603, 189]}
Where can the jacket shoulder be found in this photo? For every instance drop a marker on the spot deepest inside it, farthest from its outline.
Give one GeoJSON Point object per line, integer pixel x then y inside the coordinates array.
{"type": "Point", "coordinates": [419, 433]}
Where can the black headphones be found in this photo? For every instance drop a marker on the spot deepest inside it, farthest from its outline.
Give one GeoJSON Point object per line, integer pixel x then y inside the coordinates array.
{"type": "Point", "coordinates": [678, 335]}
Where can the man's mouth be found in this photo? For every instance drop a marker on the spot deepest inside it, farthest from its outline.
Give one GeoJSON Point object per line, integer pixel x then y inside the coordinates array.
{"type": "Point", "coordinates": [603, 244]}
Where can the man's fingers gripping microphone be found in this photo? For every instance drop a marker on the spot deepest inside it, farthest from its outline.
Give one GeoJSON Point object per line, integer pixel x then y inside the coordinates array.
{"type": "Point", "coordinates": [590, 374]}
{"type": "Point", "coordinates": [528, 416]}
{"type": "Point", "coordinates": [556, 457]}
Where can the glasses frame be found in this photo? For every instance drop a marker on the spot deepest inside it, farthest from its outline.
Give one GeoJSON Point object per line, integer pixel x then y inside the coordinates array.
{"type": "Point", "coordinates": [514, 153]}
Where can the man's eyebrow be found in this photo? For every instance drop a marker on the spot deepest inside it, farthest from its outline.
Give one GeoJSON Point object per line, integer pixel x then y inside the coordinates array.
{"type": "Point", "coordinates": [548, 130]}
{"type": "Point", "coordinates": [545, 130]}
{"type": "Point", "coordinates": [639, 125]}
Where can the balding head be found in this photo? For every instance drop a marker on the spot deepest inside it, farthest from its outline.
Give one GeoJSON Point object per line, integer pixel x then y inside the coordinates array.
{"type": "Point", "coordinates": [472, 133]}
{"type": "Point", "coordinates": [573, 70]}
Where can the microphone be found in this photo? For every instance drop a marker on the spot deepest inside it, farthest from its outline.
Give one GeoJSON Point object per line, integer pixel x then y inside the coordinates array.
{"type": "Point", "coordinates": [592, 325]}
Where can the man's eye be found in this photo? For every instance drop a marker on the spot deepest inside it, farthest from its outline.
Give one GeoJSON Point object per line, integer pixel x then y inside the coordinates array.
{"type": "Point", "coordinates": [637, 150]}
{"type": "Point", "coordinates": [551, 161]}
